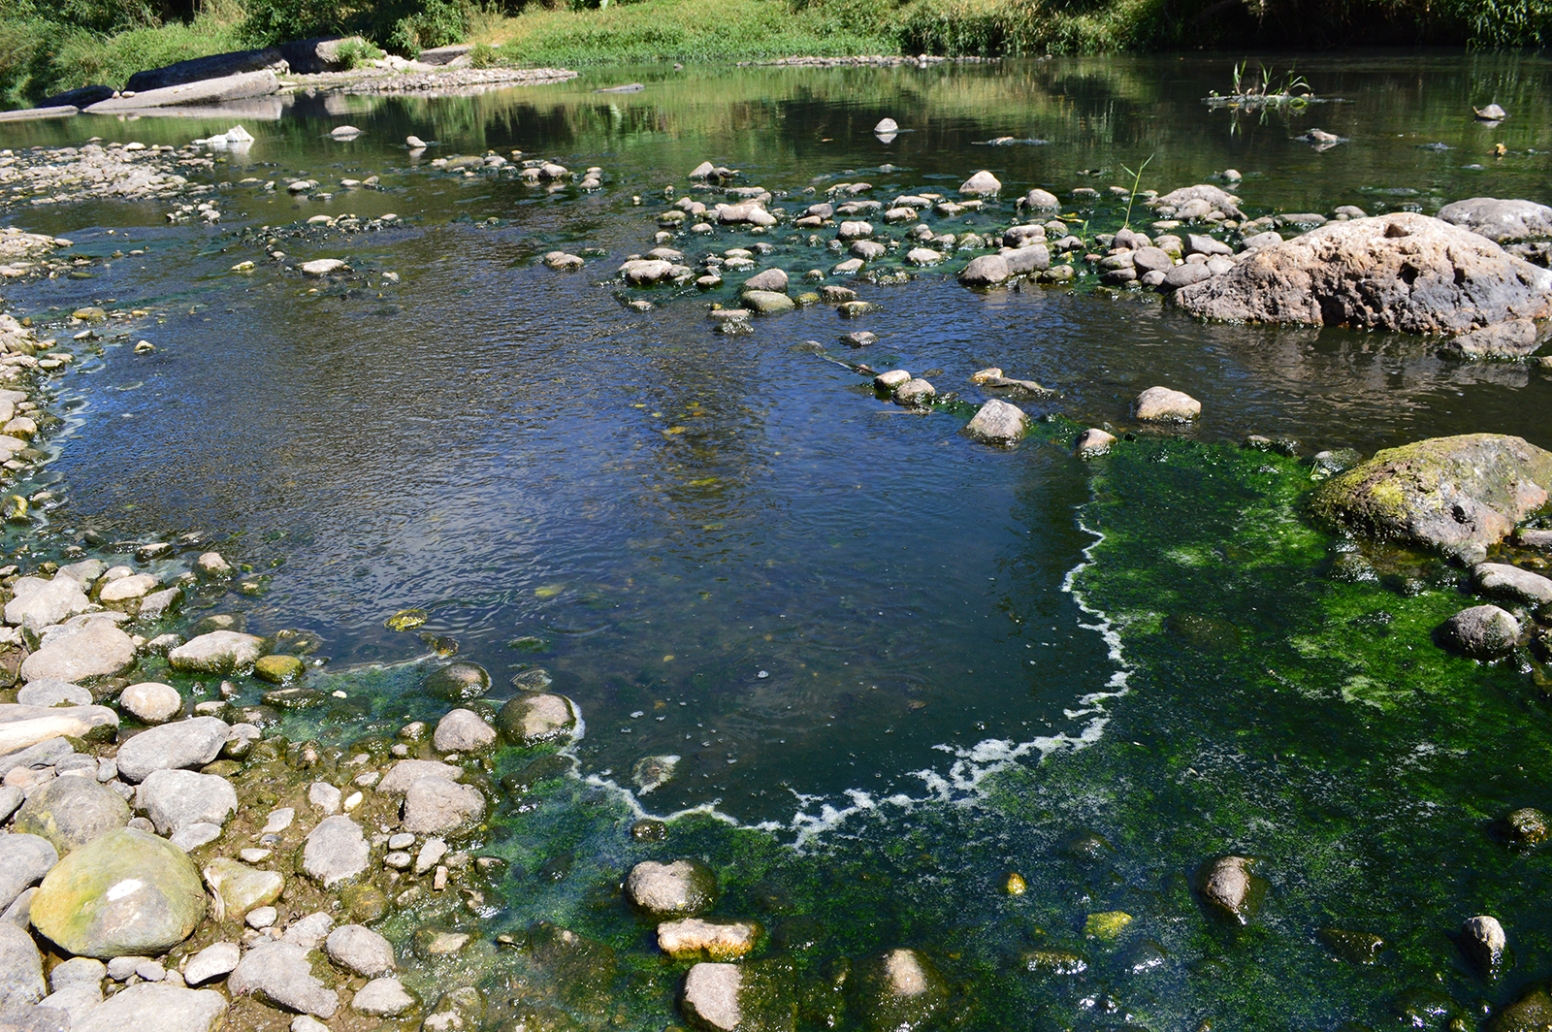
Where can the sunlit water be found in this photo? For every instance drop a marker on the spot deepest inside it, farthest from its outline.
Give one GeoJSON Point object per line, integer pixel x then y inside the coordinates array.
{"type": "Point", "coordinates": [728, 548]}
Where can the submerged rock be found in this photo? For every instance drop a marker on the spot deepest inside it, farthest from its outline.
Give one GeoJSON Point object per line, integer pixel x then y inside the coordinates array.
{"type": "Point", "coordinates": [1353, 947]}
{"type": "Point", "coordinates": [533, 719]}
{"type": "Point", "coordinates": [1506, 341]}
{"type": "Point", "coordinates": [755, 997]}
{"type": "Point", "coordinates": [1455, 494]}
{"type": "Point", "coordinates": [1093, 442]}
{"type": "Point", "coordinates": [898, 991]}
{"type": "Point", "coordinates": [998, 422]}
{"type": "Point", "coordinates": [683, 888]}
{"type": "Point", "coordinates": [1229, 888]}
{"type": "Point", "coordinates": [1402, 271]}
{"type": "Point", "coordinates": [1532, 1012]}
{"type": "Point", "coordinates": [126, 893]}
{"type": "Point", "coordinates": [1481, 632]}
{"type": "Point", "coordinates": [1526, 826]}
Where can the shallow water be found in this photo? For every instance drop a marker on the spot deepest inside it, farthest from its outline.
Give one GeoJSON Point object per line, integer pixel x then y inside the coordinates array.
{"type": "Point", "coordinates": [833, 609]}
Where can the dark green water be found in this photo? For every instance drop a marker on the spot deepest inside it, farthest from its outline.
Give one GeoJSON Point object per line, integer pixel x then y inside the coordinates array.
{"type": "Point", "coordinates": [861, 632]}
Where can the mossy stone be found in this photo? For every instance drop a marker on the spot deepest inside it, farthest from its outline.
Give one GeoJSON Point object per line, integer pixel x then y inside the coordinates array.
{"type": "Point", "coordinates": [457, 682]}
{"type": "Point", "coordinates": [1107, 926]}
{"type": "Point", "coordinates": [278, 669]}
{"type": "Point", "coordinates": [365, 902]}
{"type": "Point", "coordinates": [898, 991]}
{"type": "Point", "coordinates": [1353, 947]}
{"type": "Point", "coordinates": [1053, 962]}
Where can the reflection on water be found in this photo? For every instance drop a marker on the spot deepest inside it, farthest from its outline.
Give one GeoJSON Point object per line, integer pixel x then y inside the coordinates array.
{"type": "Point", "coordinates": [728, 549]}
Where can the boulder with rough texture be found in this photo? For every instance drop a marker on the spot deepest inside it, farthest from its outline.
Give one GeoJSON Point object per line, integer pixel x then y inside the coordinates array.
{"type": "Point", "coordinates": [1508, 341]}
{"type": "Point", "coordinates": [1457, 494]}
{"type": "Point", "coordinates": [1215, 198]}
{"type": "Point", "coordinates": [21, 968]}
{"type": "Point", "coordinates": [537, 718]}
{"type": "Point", "coordinates": [1401, 271]}
{"type": "Point", "coordinates": [1481, 632]}
{"type": "Point", "coordinates": [359, 949]}
{"type": "Point", "coordinates": [174, 799]}
{"type": "Point", "coordinates": [159, 1006]}
{"type": "Point", "coordinates": [693, 937]}
{"type": "Point", "coordinates": [184, 743]}
{"type": "Point", "coordinates": [219, 652]}
{"type": "Point", "coordinates": [1512, 582]}
{"type": "Point", "coordinates": [1162, 405]}
{"type": "Point", "coordinates": [998, 422]}
{"type": "Point", "coordinates": [463, 731]}
{"type": "Point", "coordinates": [70, 812]}
{"type": "Point", "coordinates": [985, 270]}
{"type": "Point", "coordinates": [123, 894]}
{"type": "Point", "coordinates": [710, 1000]}
{"type": "Point", "coordinates": [279, 973]}
{"type": "Point", "coordinates": [336, 851]}
{"type": "Point", "coordinates": [406, 772]}
{"type": "Point", "coordinates": [436, 806]}
{"type": "Point", "coordinates": [24, 860]}
{"type": "Point", "coordinates": [683, 888]}
{"type": "Point", "coordinates": [93, 648]}
{"type": "Point", "coordinates": [383, 998]}
{"type": "Point", "coordinates": [22, 727]}
{"type": "Point", "coordinates": [900, 989]}
{"type": "Point", "coordinates": [1502, 221]}
{"type": "Point", "coordinates": [1229, 888]}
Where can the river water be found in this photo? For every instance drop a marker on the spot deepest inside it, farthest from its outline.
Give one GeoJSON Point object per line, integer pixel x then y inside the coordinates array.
{"type": "Point", "coordinates": [912, 662]}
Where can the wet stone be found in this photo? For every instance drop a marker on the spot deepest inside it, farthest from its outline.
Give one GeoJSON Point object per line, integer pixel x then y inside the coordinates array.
{"type": "Point", "coordinates": [457, 682]}
{"type": "Point", "coordinates": [534, 719]}
{"type": "Point", "coordinates": [1162, 405]}
{"type": "Point", "coordinates": [218, 652]}
{"type": "Point", "coordinates": [898, 990]}
{"type": "Point", "coordinates": [1482, 940]}
{"type": "Point", "coordinates": [1353, 947]}
{"type": "Point", "coordinates": [462, 731]}
{"type": "Point", "coordinates": [1481, 632]}
{"type": "Point", "coordinates": [682, 888]}
{"type": "Point", "coordinates": [1229, 888]}
{"type": "Point", "coordinates": [1053, 962]}
{"type": "Point", "coordinates": [1526, 826]}
{"type": "Point", "coordinates": [713, 940]}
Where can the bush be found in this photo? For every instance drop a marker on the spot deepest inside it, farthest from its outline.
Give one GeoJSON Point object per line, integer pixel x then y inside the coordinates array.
{"type": "Point", "coordinates": [402, 26]}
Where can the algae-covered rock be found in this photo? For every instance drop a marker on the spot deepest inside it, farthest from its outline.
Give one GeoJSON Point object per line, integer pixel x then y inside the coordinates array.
{"type": "Point", "coordinates": [1481, 632]}
{"type": "Point", "coordinates": [1456, 494]}
{"type": "Point", "coordinates": [457, 682]}
{"type": "Point", "coordinates": [125, 893]}
{"type": "Point", "coordinates": [683, 888]}
{"type": "Point", "coordinates": [1353, 947]}
{"type": "Point", "coordinates": [1532, 1012]}
{"type": "Point", "coordinates": [70, 812]}
{"type": "Point", "coordinates": [717, 940]}
{"type": "Point", "coordinates": [757, 997]}
{"type": "Point", "coordinates": [278, 669]}
{"type": "Point", "coordinates": [1053, 962]}
{"type": "Point", "coordinates": [1107, 925]}
{"type": "Point", "coordinates": [219, 652]}
{"type": "Point", "coordinates": [533, 719]}
{"type": "Point", "coordinates": [1525, 826]}
{"type": "Point", "coordinates": [898, 991]}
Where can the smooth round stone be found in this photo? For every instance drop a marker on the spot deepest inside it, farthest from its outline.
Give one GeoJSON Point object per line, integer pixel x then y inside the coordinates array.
{"type": "Point", "coordinates": [457, 682]}
{"type": "Point", "coordinates": [71, 812]}
{"type": "Point", "coordinates": [683, 888]}
{"type": "Point", "coordinates": [242, 889]}
{"type": "Point", "coordinates": [532, 719]}
{"type": "Point", "coordinates": [124, 893]}
{"type": "Point", "coordinates": [151, 702]}
{"type": "Point", "coordinates": [54, 693]}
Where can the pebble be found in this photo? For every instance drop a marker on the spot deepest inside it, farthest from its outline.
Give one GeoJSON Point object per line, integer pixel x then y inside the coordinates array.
{"type": "Point", "coordinates": [261, 917]}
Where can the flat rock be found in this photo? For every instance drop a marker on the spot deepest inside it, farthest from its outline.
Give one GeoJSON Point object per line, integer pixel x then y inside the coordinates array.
{"type": "Point", "coordinates": [998, 422]}
{"type": "Point", "coordinates": [406, 772]}
{"type": "Point", "coordinates": [96, 648]}
{"type": "Point", "coordinates": [214, 961]}
{"type": "Point", "coordinates": [23, 727]}
{"type": "Point", "coordinates": [710, 1000]}
{"type": "Point", "coordinates": [436, 806]}
{"type": "Point", "coordinates": [136, 585]}
{"type": "Point", "coordinates": [357, 948]}
{"type": "Point", "coordinates": [1162, 405]}
{"type": "Point", "coordinates": [125, 893]}
{"type": "Point", "coordinates": [70, 812]}
{"type": "Point", "coordinates": [1402, 271]}
{"type": "Point", "coordinates": [383, 998]}
{"type": "Point", "coordinates": [219, 652]}
{"type": "Point", "coordinates": [1512, 582]}
{"type": "Point", "coordinates": [47, 693]}
{"type": "Point", "coordinates": [278, 973]}
{"type": "Point", "coordinates": [37, 603]}
{"type": "Point", "coordinates": [206, 91]}
{"type": "Point", "coordinates": [21, 968]}
{"type": "Point", "coordinates": [336, 851]}
{"type": "Point", "coordinates": [683, 888]}
{"type": "Point", "coordinates": [184, 743]}
{"type": "Point", "coordinates": [463, 731]}
{"type": "Point", "coordinates": [1481, 632]}
{"type": "Point", "coordinates": [199, 69]}
{"type": "Point", "coordinates": [159, 1006]}
{"type": "Point", "coordinates": [693, 937]}
{"type": "Point", "coordinates": [1502, 221]}
{"type": "Point", "coordinates": [175, 799]}
{"type": "Point", "coordinates": [1456, 494]}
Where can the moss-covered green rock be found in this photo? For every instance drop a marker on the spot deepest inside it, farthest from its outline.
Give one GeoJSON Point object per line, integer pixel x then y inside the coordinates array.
{"type": "Point", "coordinates": [533, 719]}
{"type": "Point", "coordinates": [241, 888]}
{"type": "Point", "coordinates": [1455, 494]}
{"type": "Point", "coordinates": [123, 894]}
{"type": "Point", "coordinates": [1053, 962]}
{"type": "Point", "coordinates": [1353, 947]}
{"type": "Point", "coordinates": [457, 682]}
{"type": "Point", "coordinates": [278, 669]}
{"type": "Point", "coordinates": [1530, 1013]}
{"type": "Point", "coordinates": [897, 991]}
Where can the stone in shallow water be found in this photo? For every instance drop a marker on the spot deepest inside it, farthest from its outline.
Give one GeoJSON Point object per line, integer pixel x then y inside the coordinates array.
{"type": "Point", "coordinates": [1093, 442]}
{"type": "Point", "coordinates": [533, 719]}
{"type": "Point", "coordinates": [683, 888]}
{"type": "Point", "coordinates": [1481, 632]}
{"type": "Point", "coordinates": [463, 731]}
{"type": "Point", "coordinates": [219, 652]}
{"type": "Point", "coordinates": [1162, 405]}
{"type": "Point", "coordinates": [998, 422]}
{"type": "Point", "coordinates": [383, 997]}
{"type": "Point", "coordinates": [900, 989]}
{"type": "Point", "coordinates": [70, 812]}
{"type": "Point", "coordinates": [278, 669]}
{"type": "Point", "coordinates": [981, 184]}
{"type": "Point", "coordinates": [94, 648]}
{"type": "Point", "coordinates": [1229, 888]}
{"type": "Point", "coordinates": [457, 682]}
{"type": "Point", "coordinates": [125, 893]}
{"type": "Point", "coordinates": [715, 940]}
{"type": "Point", "coordinates": [1482, 940]}
{"type": "Point", "coordinates": [1512, 582]}
{"type": "Point", "coordinates": [151, 702]}
{"type": "Point", "coordinates": [336, 851]}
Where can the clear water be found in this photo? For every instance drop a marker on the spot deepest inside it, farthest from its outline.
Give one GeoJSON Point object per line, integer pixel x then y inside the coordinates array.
{"type": "Point", "coordinates": [833, 609]}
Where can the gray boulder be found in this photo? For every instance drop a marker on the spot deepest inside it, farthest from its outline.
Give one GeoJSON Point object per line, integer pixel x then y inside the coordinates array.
{"type": "Point", "coordinates": [683, 888]}
{"type": "Point", "coordinates": [94, 647]}
{"type": "Point", "coordinates": [710, 1000]}
{"type": "Point", "coordinates": [70, 812]}
{"type": "Point", "coordinates": [206, 91]}
{"type": "Point", "coordinates": [184, 743]}
{"type": "Point", "coordinates": [463, 731]}
{"type": "Point", "coordinates": [214, 961]}
{"type": "Point", "coordinates": [75, 1000]}
{"type": "Point", "coordinates": [1024, 260]}
{"type": "Point", "coordinates": [175, 799]}
{"type": "Point", "coordinates": [21, 968]}
{"type": "Point", "coordinates": [278, 973]}
{"type": "Point", "coordinates": [436, 806]}
{"type": "Point", "coordinates": [1456, 494]}
{"type": "Point", "coordinates": [359, 949]}
{"type": "Point", "coordinates": [1401, 271]}
{"type": "Point", "coordinates": [48, 693]}
{"type": "Point", "coordinates": [1481, 632]}
{"type": "Point", "coordinates": [28, 727]}
{"type": "Point", "coordinates": [383, 998]}
{"type": "Point", "coordinates": [998, 422]}
{"type": "Point", "coordinates": [1230, 888]}
{"type": "Point", "coordinates": [159, 1006]}
{"type": "Point", "coordinates": [1162, 405]}
{"type": "Point", "coordinates": [24, 860]}
{"type": "Point", "coordinates": [1483, 942]}
{"type": "Point", "coordinates": [1512, 582]}
{"type": "Point", "coordinates": [769, 279]}
{"type": "Point", "coordinates": [336, 851]}
{"type": "Point", "coordinates": [219, 652]}
{"type": "Point", "coordinates": [216, 66]}
{"type": "Point", "coordinates": [37, 603]}
{"type": "Point", "coordinates": [1502, 221]}
{"type": "Point", "coordinates": [155, 902]}
{"type": "Point", "coordinates": [78, 970]}
{"type": "Point", "coordinates": [1215, 198]}
{"type": "Point", "coordinates": [406, 772]}
{"type": "Point", "coordinates": [533, 719]}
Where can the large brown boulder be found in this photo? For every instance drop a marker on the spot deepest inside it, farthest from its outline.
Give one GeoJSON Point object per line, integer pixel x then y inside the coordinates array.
{"type": "Point", "coordinates": [1455, 494]}
{"type": "Point", "coordinates": [1402, 271]}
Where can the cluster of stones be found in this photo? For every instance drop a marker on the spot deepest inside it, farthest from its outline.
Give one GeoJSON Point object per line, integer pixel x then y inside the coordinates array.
{"type": "Point", "coordinates": [29, 256]}
{"type": "Point", "coordinates": [131, 171]}
{"type": "Point", "coordinates": [533, 171]}
{"type": "Point", "coordinates": [440, 82]}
